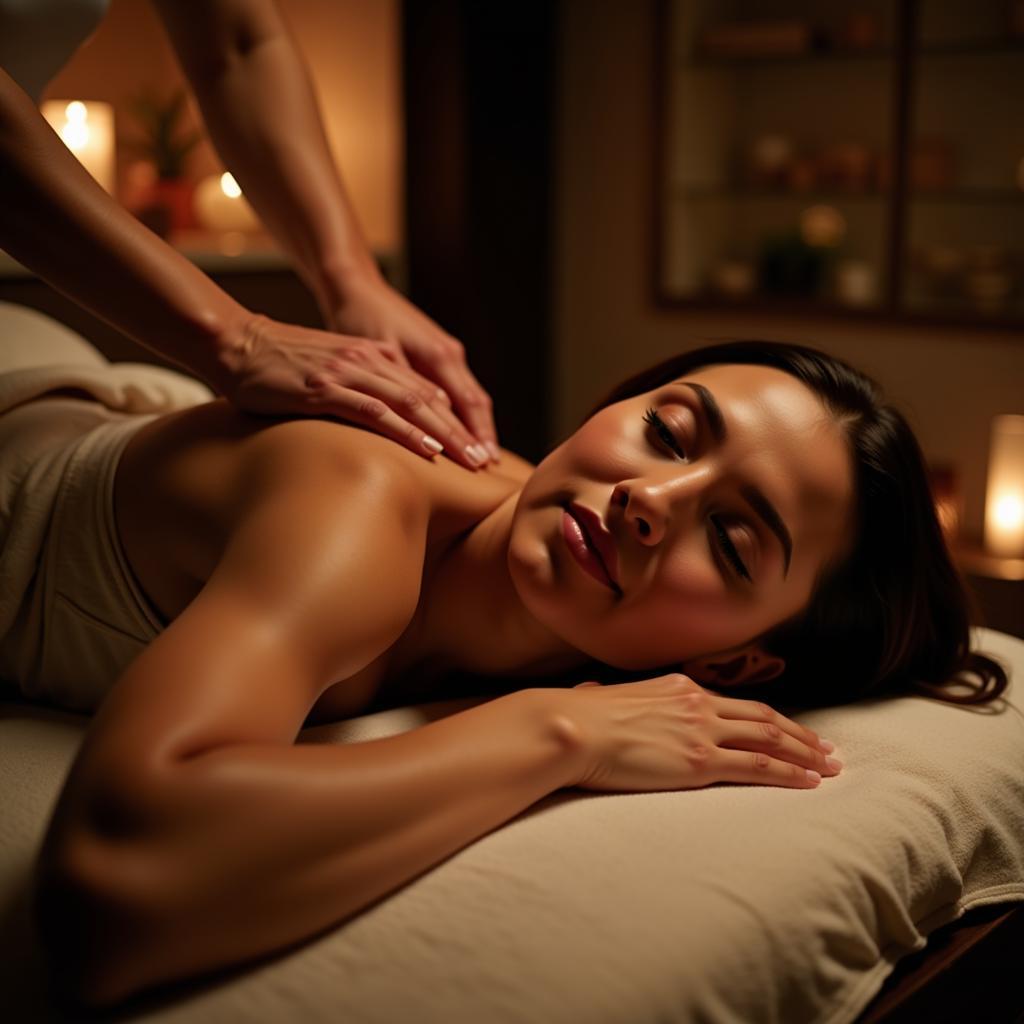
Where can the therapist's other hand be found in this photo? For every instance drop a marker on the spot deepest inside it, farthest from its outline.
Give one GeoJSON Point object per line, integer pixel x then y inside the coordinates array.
{"type": "Point", "coordinates": [279, 369]}
{"type": "Point", "coordinates": [669, 733]}
{"type": "Point", "coordinates": [369, 307]}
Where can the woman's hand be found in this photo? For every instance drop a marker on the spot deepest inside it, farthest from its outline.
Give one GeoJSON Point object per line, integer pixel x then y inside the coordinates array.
{"type": "Point", "coordinates": [274, 368]}
{"type": "Point", "coordinates": [671, 733]}
{"type": "Point", "coordinates": [370, 308]}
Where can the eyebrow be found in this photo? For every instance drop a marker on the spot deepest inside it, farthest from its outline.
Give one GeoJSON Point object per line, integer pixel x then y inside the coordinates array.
{"type": "Point", "coordinates": [754, 495]}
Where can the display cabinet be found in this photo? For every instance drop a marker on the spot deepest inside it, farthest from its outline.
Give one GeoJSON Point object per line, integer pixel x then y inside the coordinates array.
{"type": "Point", "coordinates": [863, 157]}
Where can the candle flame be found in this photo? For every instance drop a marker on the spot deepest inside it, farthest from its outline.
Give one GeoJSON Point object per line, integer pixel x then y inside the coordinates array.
{"type": "Point", "coordinates": [1009, 511]}
{"type": "Point", "coordinates": [229, 186]}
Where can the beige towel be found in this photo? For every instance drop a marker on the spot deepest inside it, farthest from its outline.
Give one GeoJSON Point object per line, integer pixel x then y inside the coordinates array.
{"type": "Point", "coordinates": [38, 442]}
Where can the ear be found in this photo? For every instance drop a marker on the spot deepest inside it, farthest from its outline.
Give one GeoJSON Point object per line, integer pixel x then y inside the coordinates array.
{"type": "Point", "coordinates": [739, 666]}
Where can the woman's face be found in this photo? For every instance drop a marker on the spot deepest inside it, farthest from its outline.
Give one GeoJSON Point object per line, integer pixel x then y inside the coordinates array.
{"type": "Point", "coordinates": [744, 451]}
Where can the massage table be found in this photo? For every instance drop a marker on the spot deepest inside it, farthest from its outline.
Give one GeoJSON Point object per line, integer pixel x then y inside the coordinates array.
{"type": "Point", "coordinates": [894, 887]}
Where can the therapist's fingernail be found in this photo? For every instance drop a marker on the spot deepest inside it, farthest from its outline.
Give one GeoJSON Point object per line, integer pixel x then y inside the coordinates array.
{"type": "Point", "coordinates": [495, 452]}
{"type": "Point", "coordinates": [432, 445]}
{"type": "Point", "coordinates": [474, 455]}
{"type": "Point", "coordinates": [826, 746]}
{"type": "Point", "coordinates": [834, 763]}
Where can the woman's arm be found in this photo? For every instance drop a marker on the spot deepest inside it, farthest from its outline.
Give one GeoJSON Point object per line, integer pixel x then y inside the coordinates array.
{"type": "Point", "coordinates": [192, 835]}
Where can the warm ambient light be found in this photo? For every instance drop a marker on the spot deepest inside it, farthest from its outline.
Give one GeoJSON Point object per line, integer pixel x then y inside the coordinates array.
{"type": "Point", "coordinates": [1004, 501]}
{"type": "Point", "coordinates": [220, 205]}
{"type": "Point", "coordinates": [229, 186]}
{"type": "Point", "coordinates": [87, 129]}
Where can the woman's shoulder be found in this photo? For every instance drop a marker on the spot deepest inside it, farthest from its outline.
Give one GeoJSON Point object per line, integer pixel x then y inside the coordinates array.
{"type": "Point", "coordinates": [514, 466]}
{"type": "Point", "coordinates": [302, 447]}
{"type": "Point", "coordinates": [191, 477]}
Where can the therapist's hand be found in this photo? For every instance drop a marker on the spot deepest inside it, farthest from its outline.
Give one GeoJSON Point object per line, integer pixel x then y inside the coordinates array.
{"type": "Point", "coordinates": [369, 307]}
{"type": "Point", "coordinates": [273, 368]}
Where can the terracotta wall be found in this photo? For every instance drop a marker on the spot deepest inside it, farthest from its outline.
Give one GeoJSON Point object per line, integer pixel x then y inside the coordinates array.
{"type": "Point", "coordinates": [948, 382]}
{"type": "Point", "coordinates": [352, 48]}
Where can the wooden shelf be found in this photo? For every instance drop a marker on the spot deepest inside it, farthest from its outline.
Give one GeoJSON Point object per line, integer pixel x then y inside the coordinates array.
{"type": "Point", "coordinates": [722, 116]}
{"type": "Point", "coordinates": [740, 193]}
{"type": "Point", "coordinates": [982, 48]}
{"type": "Point", "coordinates": [810, 57]}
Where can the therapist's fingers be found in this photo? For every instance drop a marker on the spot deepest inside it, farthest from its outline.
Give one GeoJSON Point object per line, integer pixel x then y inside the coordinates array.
{"type": "Point", "coordinates": [471, 403]}
{"type": "Point", "coordinates": [440, 357]}
{"type": "Point", "coordinates": [398, 411]}
{"type": "Point", "coordinates": [458, 441]}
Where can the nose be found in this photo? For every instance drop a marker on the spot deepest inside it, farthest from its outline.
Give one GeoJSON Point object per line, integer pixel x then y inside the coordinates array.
{"type": "Point", "coordinates": [649, 507]}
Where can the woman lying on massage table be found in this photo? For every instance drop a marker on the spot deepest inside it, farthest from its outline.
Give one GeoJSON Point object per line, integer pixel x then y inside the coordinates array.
{"type": "Point", "coordinates": [742, 513]}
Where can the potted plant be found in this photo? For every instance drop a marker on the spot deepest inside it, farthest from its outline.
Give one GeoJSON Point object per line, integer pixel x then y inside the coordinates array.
{"type": "Point", "coordinates": [163, 143]}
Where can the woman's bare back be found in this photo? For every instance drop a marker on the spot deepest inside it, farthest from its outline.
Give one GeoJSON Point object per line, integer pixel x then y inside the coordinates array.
{"type": "Point", "coordinates": [181, 483]}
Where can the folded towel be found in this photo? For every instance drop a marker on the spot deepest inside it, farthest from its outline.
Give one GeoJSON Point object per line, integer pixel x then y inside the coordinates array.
{"type": "Point", "coordinates": [38, 354]}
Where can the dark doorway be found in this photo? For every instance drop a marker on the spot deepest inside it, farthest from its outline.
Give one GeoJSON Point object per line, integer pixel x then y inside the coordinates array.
{"type": "Point", "coordinates": [479, 107]}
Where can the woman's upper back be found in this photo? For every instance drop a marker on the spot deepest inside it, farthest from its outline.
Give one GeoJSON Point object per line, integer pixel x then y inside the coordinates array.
{"type": "Point", "coordinates": [185, 481]}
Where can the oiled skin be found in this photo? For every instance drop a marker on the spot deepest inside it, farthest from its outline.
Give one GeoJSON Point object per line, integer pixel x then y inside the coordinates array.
{"type": "Point", "coordinates": [295, 559]}
{"type": "Point", "coordinates": [307, 566]}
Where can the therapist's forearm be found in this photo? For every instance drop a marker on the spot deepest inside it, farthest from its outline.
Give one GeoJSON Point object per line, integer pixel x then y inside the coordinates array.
{"type": "Point", "coordinates": [262, 114]}
{"type": "Point", "coordinates": [57, 221]}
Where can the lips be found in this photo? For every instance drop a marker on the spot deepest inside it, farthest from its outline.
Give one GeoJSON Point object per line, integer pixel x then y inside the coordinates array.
{"type": "Point", "coordinates": [599, 541]}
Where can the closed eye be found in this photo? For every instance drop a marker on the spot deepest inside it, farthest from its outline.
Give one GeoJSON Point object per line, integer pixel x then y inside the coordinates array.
{"type": "Point", "coordinates": [729, 550]}
{"type": "Point", "coordinates": [667, 437]}
{"type": "Point", "coordinates": [724, 544]}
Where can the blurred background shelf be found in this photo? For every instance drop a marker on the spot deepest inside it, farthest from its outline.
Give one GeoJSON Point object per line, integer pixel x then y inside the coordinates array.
{"type": "Point", "coordinates": [893, 124]}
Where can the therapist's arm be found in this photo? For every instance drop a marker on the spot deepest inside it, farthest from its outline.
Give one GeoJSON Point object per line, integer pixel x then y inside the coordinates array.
{"type": "Point", "coordinates": [260, 109]}
{"type": "Point", "coordinates": [58, 222]}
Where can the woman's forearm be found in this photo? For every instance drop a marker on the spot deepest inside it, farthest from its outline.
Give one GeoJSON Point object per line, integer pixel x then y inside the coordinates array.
{"type": "Point", "coordinates": [58, 222]}
{"type": "Point", "coordinates": [252, 848]}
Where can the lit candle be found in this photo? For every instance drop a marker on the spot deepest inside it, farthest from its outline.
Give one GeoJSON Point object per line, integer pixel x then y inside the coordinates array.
{"type": "Point", "coordinates": [220, 205]}
{"type": "Point", "coordinates": [1004, 500]}
{"type": "Point", "coordinates": [87, 129]}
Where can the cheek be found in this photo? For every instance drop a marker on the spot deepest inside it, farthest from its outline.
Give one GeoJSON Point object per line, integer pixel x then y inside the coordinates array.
{"type": "Point", "coordinates": [683, 613]}
{"type": "Point", "coordinates": [605, 447]}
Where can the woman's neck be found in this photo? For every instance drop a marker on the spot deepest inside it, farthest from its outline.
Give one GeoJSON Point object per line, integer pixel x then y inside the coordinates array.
{"type": "Point", "coordinates": [472, 619]}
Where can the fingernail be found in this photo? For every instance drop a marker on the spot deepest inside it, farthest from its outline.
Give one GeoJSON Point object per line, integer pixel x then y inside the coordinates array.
{"type": "Point", "coordinates": [812, 776]}
{"type": "Point", "coordinates": [826, 746]}
{"type": "Point", "coordinates": [834, 763]}
{"type": "Point", "coordinates": [473, 455]}
{"type": "Point", "coordinates": [432, 445]}
{"type": "Point", "coordinates": [482, 452]}
{"type": "Point", "coordinates": [494, 450]}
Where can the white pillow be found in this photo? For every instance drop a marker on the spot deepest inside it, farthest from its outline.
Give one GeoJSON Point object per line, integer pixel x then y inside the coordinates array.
{"type": "Point", "coordinates": [729, 903]}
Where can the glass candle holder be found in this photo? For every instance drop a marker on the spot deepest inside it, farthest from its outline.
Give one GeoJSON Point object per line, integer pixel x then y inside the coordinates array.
{"type": "Point", "coordinates": [1004, 497]}
{"type": "Point", "coordinates": [87, 129]}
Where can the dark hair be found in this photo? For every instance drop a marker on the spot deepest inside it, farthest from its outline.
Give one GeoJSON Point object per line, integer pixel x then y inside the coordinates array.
{"type": "Point", "coordinates": [894, 616]}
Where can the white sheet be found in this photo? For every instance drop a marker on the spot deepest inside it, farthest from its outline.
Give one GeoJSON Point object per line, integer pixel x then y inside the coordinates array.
{"type": "Point", "coordinates": [731, 903]}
